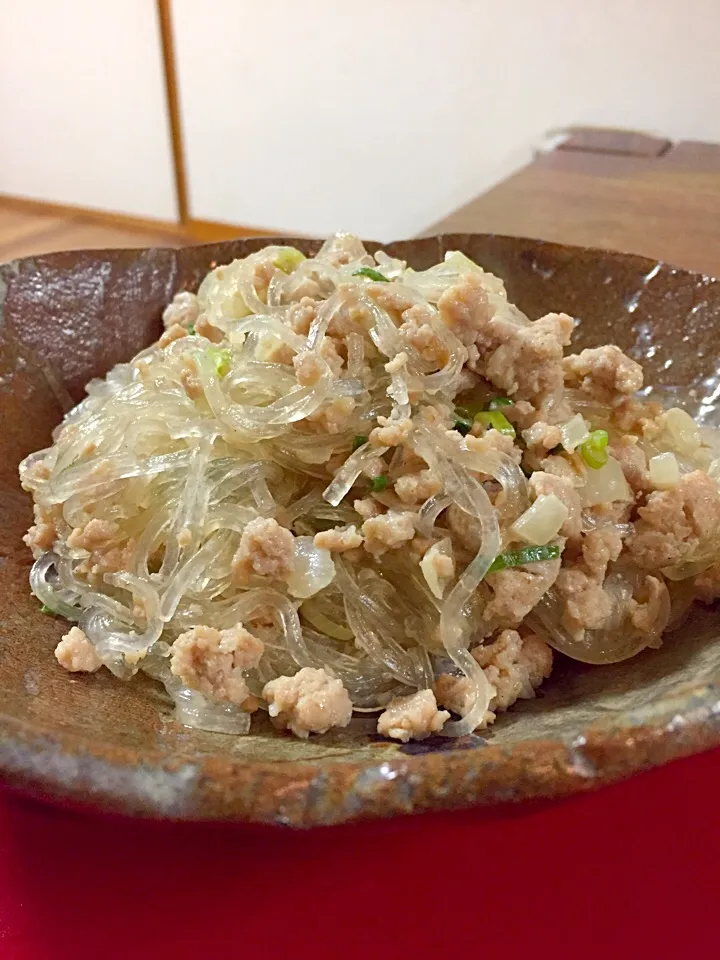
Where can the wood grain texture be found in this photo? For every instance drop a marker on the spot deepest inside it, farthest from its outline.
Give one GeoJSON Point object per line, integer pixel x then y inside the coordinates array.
{"type": "Point", "coordinates": [666, 207]}
{"type": "Point", "coordinates": [30, 227]}
{"type": "Point", "coordinates": [70, 235]}
{"type": "Point", "coordinates": [16, 225]}
{"type": "Point", "coordinates": [210, 231]}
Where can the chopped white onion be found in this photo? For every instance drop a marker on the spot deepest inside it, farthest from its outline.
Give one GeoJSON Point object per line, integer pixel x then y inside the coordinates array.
{"type": "Point", "coordinates": [682, 431]}
{"type": "Point", "coordinates": [664, 471]}
{"type": "Point", "coordinates": [313, 569]}
{"type": "Point", "coordinates": [574, 432]}
{"type": "Point", "coordinates": [542, 521]}
{"type": "Point", "coordinates": [605, 485]}
{"type": "Point", "coordinates": [438, 567]}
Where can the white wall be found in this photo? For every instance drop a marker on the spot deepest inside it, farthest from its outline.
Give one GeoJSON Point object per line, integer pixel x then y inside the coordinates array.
{"type": "Point", "coordinates": [82, 105]}
{"type": "Point", "coordinates": [382, 116]}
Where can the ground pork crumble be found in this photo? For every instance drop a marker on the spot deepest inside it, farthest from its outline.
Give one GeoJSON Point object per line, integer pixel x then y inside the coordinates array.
{"type": "Point", "coordinates": [414, 717]}
{"type": "Point", "coordinates": [76, 653]}
{"type": "Point", "coordinates": [215, 662]}
{"type": "Point", "coordinates": [265, 549]}
{"type": "Point", "coordinates": [343, 465]}
{"type": "Point", "coordinates": [515, 666]}
{"type": "Point", "coordinates": [311, 701]}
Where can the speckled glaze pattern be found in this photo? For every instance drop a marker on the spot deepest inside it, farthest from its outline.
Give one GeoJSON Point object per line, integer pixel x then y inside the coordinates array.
{"type": "Point", "coordinates": [97, 743]}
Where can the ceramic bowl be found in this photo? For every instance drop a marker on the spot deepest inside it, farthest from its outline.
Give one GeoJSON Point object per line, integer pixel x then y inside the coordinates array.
{"type": "Point", "coordinates": [98, 743]}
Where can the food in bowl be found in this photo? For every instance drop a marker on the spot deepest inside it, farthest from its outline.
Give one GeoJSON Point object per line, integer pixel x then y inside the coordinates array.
{"type": "Point", "coordinates": [340, 486]}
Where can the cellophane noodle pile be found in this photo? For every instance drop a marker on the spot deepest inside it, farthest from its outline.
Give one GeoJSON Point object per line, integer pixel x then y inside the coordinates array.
{"type": "Point", "coordinates": [387, 484]}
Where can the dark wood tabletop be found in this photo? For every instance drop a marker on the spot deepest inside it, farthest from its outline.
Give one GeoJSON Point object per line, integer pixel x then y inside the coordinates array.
{"type": "Point", "coordinates": [614, 189]}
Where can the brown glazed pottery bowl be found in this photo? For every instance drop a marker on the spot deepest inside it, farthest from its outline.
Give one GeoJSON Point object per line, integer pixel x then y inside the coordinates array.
{"type": "Point", "coordinates": [95, 742]}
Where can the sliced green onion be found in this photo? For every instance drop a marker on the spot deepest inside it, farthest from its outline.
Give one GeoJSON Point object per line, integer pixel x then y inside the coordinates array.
{"type": "Point", "coordinates": [221, 359]}
{"type": "Point", "coordinates": [359, 441]}
{"type": "Point", "coordinates": [495, 420]}
{"type": "Point", "coordinates": [371, 274]}
{"type": "Point", "coordinates": [379, 484]}
{"type": "Point", "coordinates": [517, 558]}
{"type": "Point", "coordinates": [498, 402]}
{"type": "Point", "coordinates": [462, 424]}
{"type": "Point", "coordinates": [593, 450]}
{"type": "Point", "coordinates": [191, 329]}
{"type": "Point", "coordinates": [288, 259]}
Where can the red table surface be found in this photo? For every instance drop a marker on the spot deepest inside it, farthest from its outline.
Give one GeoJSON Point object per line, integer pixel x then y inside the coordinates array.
{"type": "Point", "coordinates": [631, 871]}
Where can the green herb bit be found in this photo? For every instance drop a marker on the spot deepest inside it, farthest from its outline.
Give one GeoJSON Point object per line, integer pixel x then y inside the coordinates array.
{"type": "Point", "coordinates": [221, 359]}
{"type": "Point", "coordinates": [517, 558]}
{"type": "Point", "coordinates": [379, 484]}
{"type": "Point", "coordinates": [497, 402]}
{"type": "Point", "coordinates": [359, 441]}
{"type": "Point", "coordinates": [371, 274]}
{"type": "Point", "coordinates": [47, 610]}
{"type": "Point", "coordinates": [462, 424]}
{"type": "Point", "coordinates": [495, 420]}
{"type": "Point", "coordinates": [191, 329]}
{"type": "Point", "coordinates": [593, 450]}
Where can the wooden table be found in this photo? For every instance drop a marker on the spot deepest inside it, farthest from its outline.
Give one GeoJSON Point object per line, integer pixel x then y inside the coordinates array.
{"type": "Point", "coordinates": [613, 189]}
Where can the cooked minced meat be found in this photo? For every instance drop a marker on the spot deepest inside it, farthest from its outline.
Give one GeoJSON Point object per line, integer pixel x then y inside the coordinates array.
{"type": "Point", "coordinates": [414, 717]}
{"type": "Point", "coordinates": [76, 653]}
{"type": "Point", "coordinates": [311, 701]}
{"type": "Point", "coordinates": [215, 662]}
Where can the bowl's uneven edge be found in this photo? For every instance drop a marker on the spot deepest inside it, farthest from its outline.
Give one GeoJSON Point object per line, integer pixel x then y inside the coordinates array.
{"type": "Point", "coordinates": [49, 764]}
{"type": "Point", "coordinates": [303, 795]}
